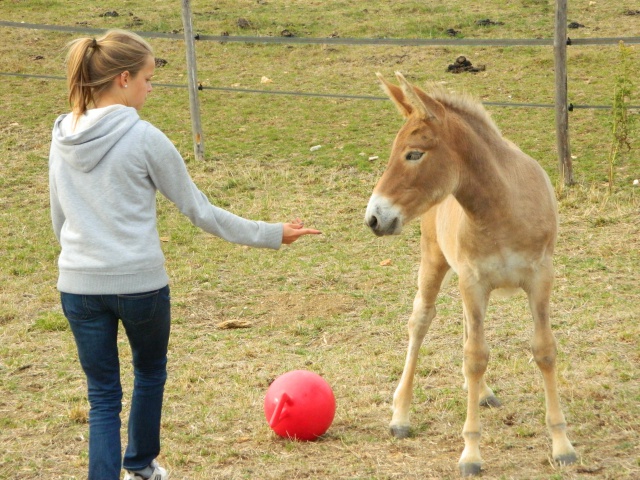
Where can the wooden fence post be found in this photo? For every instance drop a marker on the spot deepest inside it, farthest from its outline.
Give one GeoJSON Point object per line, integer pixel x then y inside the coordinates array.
{"type": "Point", "coordinates": [562, 115]}
{"type": "Point", "coordinates": [194, 105]}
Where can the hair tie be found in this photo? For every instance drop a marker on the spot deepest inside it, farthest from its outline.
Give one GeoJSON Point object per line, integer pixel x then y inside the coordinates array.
{"type": "Point", "coordinates": [94, 44]}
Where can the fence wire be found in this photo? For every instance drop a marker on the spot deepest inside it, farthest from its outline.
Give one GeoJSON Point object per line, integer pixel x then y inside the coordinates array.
{"type": "Point", "coordinates": [570, 107]}
{"type": "Point", "coordinates": [334, 41]}
{"type": "Point", "coordinates": [342, 41]}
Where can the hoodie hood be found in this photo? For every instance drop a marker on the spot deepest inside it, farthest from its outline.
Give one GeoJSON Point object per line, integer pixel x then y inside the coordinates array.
{"type": "Point", "coordinates": [99, 130]}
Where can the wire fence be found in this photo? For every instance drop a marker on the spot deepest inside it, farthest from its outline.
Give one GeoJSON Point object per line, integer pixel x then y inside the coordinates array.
{"type": "Point", "coordinates": [333, 41]}
{"type": "Point", "coordinates": [321, 95]}
{"type": "Point", "coordinates": [342, 41]}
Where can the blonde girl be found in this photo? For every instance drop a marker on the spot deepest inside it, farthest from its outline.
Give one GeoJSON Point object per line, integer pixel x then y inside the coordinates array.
{"type": "Point", "coordinates": [105, 166]}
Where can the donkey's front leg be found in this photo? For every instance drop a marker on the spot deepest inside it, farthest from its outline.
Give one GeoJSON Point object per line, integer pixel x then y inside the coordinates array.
{"type": "Point", "coordinates": [433, 269]}
{"type": "Point", "coordinates": [476, 358]}
{"type": "Point", "coordinates": [418, 326]}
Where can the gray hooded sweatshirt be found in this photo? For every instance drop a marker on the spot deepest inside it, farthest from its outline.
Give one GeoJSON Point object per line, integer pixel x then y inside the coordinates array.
{"type": "Point", "coordinates": [103, 176]}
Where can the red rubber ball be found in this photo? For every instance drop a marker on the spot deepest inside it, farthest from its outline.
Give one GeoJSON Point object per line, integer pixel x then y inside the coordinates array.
{"type": "Point", "coordinates": [299, 405]}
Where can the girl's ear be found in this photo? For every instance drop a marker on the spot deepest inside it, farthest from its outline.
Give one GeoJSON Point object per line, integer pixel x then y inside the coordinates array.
{"type": "Point", "coordinates": [124, 78]}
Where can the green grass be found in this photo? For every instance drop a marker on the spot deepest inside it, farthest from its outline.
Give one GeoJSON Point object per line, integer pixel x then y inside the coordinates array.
{"type": "Point", "coordinates": [51, 322]}
{"type": "Point", "coordinates": [326, 303]}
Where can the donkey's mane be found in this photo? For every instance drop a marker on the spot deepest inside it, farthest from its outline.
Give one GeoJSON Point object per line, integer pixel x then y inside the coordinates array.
{"type": "Point", "coordinates": [464, 104]}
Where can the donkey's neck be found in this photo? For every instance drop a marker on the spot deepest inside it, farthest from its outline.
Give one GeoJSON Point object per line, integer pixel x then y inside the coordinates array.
{"type": "Point", "coordinates": [483, 189]}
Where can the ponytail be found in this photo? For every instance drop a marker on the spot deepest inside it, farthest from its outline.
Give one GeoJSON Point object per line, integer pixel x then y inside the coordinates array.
{"type": "Point", "coordinates": [78, 77]}
{"type": "Point", "coordinates": [93, 64]}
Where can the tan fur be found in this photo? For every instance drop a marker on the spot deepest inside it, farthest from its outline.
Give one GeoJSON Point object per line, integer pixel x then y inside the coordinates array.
{"type": "Point", "coordinates": [488, 212]}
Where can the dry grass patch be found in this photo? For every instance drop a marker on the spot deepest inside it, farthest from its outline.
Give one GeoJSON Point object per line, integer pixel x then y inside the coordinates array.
{"type": "Point", "coordinates": [335, 304]}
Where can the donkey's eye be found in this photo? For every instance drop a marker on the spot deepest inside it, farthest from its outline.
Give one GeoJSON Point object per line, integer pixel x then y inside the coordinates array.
{"type": "Point", "coordinates": [414, 155]}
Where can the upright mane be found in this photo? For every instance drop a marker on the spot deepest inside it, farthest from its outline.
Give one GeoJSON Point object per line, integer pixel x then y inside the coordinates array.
{"type": "Point", "coordinates": [464, 104]}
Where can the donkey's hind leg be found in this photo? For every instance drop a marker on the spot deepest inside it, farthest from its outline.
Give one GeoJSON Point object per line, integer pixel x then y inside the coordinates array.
{"type": "Point", "coordinates": [544, 353]}
{"type": "Point", "coordinates": [430, 279]}
{"type": "Point", "coordinates": [487, 397]}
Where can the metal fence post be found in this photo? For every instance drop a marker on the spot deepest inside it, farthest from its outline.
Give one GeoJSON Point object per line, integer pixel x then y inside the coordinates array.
{"type": "Point", "coordinates": [194, 105]}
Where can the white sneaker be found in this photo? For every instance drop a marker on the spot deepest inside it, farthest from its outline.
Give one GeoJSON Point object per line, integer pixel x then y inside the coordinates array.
{"type": "Point", "coordinates": [158, 473]}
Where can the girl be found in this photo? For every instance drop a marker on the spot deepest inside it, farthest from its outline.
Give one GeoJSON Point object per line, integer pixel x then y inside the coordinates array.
{"type": "Point", "coordinates": [105, 166]}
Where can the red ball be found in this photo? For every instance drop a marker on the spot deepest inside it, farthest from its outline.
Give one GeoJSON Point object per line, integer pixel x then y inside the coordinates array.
{"type": "Point", "coordinates": [300, 405]}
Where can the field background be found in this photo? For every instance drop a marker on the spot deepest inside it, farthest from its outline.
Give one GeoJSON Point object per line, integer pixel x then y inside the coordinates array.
{"type": "Point", "coordinates": [335, 304]}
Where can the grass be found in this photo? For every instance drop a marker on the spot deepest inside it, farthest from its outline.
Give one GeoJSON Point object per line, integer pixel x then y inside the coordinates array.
{"type": "Point", "coordinates": [327, 304]}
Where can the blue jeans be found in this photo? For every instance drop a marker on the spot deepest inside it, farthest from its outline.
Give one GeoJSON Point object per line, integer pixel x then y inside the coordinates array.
{"type": "Point", "coordinates": [146, 318]}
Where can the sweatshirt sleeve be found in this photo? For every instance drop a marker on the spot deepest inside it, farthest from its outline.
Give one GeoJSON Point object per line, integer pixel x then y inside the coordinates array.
{"type": "Point", "coordinates": [57, 215]}
{"type": "Point", "coordinates": [169, 174]}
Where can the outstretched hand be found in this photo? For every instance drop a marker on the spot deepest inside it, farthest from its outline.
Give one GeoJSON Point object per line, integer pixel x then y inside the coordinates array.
{"type": "Point", "coordinates": [294, 230]}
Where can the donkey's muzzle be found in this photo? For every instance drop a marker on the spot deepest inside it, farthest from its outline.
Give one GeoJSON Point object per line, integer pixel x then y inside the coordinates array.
{"type": "Point", "coordinates": [382, 217]}
{"type": "Point", "coordinates": [376, 228]}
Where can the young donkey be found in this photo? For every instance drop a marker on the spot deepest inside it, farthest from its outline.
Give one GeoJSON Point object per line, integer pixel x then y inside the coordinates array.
{"type": "Point", "coordinates": [489, 214]}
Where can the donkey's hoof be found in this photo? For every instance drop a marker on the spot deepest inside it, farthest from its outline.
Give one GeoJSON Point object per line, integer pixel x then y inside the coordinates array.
{"type": "Point", "coordinates": [470, 469]}
{"type": "Point", "coordinates": [400, 431]}
{"type": "Point", "coordinates": [491, 401]}
{"type": "Point", "coordinates": [566, 459]}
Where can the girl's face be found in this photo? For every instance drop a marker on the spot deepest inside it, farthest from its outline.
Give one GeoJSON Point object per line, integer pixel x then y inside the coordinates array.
{"type": "Point", "coordinates": [139, 85]}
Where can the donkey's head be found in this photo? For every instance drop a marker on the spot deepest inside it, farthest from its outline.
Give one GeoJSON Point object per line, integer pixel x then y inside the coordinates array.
{"type": "Point", "coordinates": [422, 169]}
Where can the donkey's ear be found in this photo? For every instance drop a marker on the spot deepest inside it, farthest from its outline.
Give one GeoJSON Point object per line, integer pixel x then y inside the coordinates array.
{"type": "Point", "coordinates": [426, 106]}
{"type": "Point", "coordinates": [396, 95]}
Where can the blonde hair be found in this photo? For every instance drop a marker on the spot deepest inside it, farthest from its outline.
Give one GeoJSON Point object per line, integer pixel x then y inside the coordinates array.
{"type": "Point", "coordinates": [93, 64]}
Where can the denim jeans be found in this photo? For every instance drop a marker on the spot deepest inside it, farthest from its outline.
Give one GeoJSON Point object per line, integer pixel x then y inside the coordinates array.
{"type": "Point", "coordinates": [94, 320]}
